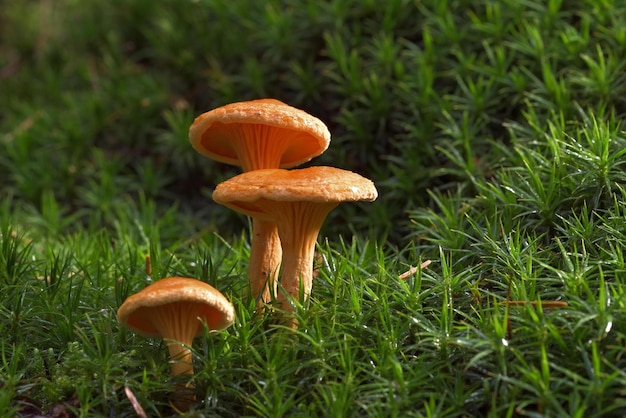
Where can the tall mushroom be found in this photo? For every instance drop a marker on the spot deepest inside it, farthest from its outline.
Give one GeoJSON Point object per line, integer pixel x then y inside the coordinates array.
{"type": "Point", "coordinates": [174, 309]}
{"type": "Point", "coordinates": [260, 134]}
{"type": "Point", "coordinates": [298, 201]}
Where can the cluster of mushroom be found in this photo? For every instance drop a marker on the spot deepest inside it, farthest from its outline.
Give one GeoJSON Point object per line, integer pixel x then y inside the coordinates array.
{"type": "Point", "coordinates": [267, 138]}
{"type": "Point", "coordinates": [288, 206]}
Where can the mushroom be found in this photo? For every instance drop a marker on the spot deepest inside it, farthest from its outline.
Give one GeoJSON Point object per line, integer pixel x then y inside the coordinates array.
{"type": "Point", "coordinates": [174, 309]}
{"type": "Point", "coordinates": [298, 201]}
{"type": "Point", "coordinates": [260, 134]}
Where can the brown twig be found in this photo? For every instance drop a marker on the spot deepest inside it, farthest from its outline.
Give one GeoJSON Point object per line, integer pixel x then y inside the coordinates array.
{"type": "Point", "coordinates": [414, 270]}
{"type": "Point", "coordinates": [135, 403]}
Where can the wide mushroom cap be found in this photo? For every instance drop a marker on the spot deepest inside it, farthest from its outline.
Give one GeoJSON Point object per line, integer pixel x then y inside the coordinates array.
{"type": "Point", "coordinates": [322, 184]}
{"type": "Point", "coordinates": [280, 135]}
{"type": "Point", "coordinates": [138, 310]}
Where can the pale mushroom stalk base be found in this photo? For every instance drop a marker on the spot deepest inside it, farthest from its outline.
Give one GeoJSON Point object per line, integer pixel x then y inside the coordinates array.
{"type": "Point", "coordinates": [183, 395]}
{"type": "Point", "coordinates": [299, 224]}
{"type": "Point", "coordinates": [179, 337]}
{"type": "Point", "coordinates": [180, 357]}
{"type": "Point", "coordinates": [265, 258]}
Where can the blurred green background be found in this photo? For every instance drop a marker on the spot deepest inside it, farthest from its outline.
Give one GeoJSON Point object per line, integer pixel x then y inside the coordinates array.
{"type": "Point", "coordinates": [97, 96]}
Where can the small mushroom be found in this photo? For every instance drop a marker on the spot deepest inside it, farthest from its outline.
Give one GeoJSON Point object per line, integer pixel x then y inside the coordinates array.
{"type": "Point", "coordinates": [260, 134]}
{"type": "Point", "coordinates": [298, 201]}
{"type": "Point", "coordinates": [174, 309]}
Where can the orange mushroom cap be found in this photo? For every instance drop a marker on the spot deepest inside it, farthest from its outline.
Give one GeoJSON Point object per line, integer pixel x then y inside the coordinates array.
{"type": "Point", "coordinates": [139, 312]}
{"type": "Point", "coordinates": [246, 192]}
{"type": "Point", "coordinates": [259, 134]}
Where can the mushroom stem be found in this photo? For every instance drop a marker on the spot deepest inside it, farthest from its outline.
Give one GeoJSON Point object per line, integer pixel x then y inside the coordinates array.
{"type": "Point", "coordinates": [180, 357]}
{"type": "Point", "coordinates": [179, 323]}
{"type": "Point", "coordinates": [265, 257]}
{"type": "Point", "coordinates": [183, 395]}
{"type": "Point", "coordinates": [298, 227]}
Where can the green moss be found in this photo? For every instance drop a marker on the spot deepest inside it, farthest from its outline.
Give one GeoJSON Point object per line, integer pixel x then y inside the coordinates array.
{"type": "Point", "coordinates": [493, 131]}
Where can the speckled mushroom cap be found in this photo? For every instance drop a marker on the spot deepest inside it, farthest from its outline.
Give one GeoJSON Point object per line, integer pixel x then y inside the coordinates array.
{"type": "Point", "coordinates": [137, 311]}
{"type": "Point", "coordinates": [279, 135]}
{"type": "Point", "coordinates": [246, 192]}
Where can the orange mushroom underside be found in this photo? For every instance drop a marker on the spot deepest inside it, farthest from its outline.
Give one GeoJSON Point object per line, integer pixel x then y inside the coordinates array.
{"type": "Point", "coordinates": [257, 146]}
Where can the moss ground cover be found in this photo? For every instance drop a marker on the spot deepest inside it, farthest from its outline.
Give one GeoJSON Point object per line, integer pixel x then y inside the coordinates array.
{"type": "Point", "coordinates": [493, 131]}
